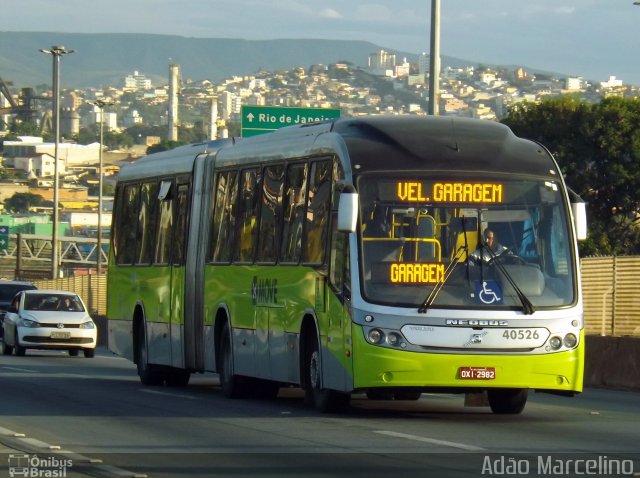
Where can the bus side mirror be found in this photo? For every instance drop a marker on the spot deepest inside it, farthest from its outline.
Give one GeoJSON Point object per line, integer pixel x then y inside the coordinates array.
{"type": "Point", "coordinates": [348, 210]}
{"type": "Point", "coordinates": [579, 211]}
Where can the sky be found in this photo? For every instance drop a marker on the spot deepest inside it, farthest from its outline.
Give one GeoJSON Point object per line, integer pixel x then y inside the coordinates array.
{"type": "Point", "coordinates": [593, 39]}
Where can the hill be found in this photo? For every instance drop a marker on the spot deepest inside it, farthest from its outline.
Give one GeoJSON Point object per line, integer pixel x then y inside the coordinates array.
{"type": "Point", "coordinates": [104, 59]}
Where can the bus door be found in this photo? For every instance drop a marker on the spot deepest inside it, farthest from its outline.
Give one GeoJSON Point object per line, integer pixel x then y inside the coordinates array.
{"type": "Point", "coordinates": [337, 364]}
{"type": "Point", "coordinates": [177, 282]}
{"type": "Point", "coordinates": [270, 351]}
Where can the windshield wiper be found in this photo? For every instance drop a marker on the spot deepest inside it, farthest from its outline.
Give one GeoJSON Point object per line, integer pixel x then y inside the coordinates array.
{"type": "Point", "coordinates": [438, 287]}
{"type": "Point", "coordinates": [527, 306]}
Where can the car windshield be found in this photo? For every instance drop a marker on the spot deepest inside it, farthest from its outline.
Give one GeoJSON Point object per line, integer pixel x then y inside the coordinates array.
{"type": "Point", "coordinates": [498, 243]}
{"type": "Point", "coordinates": [8, 291]}
{"type": "Point", "coordinates": [51, 302]}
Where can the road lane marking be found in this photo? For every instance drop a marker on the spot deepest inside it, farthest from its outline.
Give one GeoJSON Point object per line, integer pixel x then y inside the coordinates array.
{"type": "Point", "coordinates": [168, 394]}
{"type": "Point", "coordinates": [433, 441]}
{"type": "Point", "coordinates": [20, 369]}
{"type": "Point", "coordinates": [96, 464]}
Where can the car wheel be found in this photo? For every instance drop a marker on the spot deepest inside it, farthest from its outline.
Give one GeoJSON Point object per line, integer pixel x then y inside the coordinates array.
{"type": "Point", "coordinates": [6, 349]}
{"type": "Point", "coordinates": [20, 351]}
{"type": "Point", "coordinates": [89, 353]}
{"type": "Point", "coordinates": [73, 352]}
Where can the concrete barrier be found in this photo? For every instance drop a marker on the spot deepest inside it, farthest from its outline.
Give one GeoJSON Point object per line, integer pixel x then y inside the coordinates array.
{"type": "Point", "coordinates": [612, 362]}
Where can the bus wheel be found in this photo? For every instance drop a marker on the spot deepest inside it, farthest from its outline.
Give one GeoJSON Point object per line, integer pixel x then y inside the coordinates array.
{"type": "Point", "coordinates": [375, 394]}
{"type": "Point", "coordinates": [323, 399]}
{"type": "Point", "coordinates": [232, 385]}
{"type": "Point", "coordinates": [149, 374]}
{"type": "Point", "coordinates": [507, 401]}
{"type": "Point", "coordinates": [177, 377]}
{"type": "Point", "coordinates": [73, 352]}
{"type": "Point", "coordinates": [407, 395]}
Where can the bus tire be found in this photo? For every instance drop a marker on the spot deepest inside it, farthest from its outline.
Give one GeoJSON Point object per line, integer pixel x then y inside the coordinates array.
{"type": "Point", "coordinates": [177, 377]}
{"type": "Point", "coordinates": [507, 401]}
{"type": "Point", "coordinates": [233, 386]}
{"type": "Point", "coordinates": [73, 352]}
{"type": "Point", "coordinates": [149, 374]}
{"type": "Point", "coordinates": [407, 395]}
{"type": "Point", "coordinates": [323, 399]}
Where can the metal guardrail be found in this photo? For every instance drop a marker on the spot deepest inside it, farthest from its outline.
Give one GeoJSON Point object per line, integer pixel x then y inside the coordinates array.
{"type": "Point", "coordinates": [36, 248]}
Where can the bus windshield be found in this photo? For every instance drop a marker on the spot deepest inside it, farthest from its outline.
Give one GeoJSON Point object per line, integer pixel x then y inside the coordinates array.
{"type": "Point", "coordinates": [494, 243]}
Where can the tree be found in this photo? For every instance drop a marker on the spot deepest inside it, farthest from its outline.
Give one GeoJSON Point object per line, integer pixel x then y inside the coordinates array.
{"type": "Point", "coordinates": [22, 202]}
{"type": "Point", "coordinates": [597, 146]}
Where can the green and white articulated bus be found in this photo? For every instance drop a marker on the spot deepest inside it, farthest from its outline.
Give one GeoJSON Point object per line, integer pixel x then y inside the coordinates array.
{"type": "Point", "coordinates": [348, 257]}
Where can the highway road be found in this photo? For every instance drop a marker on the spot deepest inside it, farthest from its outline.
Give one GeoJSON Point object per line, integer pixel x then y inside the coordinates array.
{"type": "Point", "coordinates": [95, 413]}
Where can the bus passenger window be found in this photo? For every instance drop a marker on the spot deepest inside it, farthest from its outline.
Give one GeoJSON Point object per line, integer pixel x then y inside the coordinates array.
{"type": "Point", "coordinates": [270, 214]}
{"type": "Point", "coordinates": [294, 199]}
{"type": "Point", "coordinates": [147, 223]}
{"type": "Point", "coordinates": [165, 223]}
{"type": "Point", "coordinates": [318, 208]}
{"type": "Point", "coordinates": [126, 226]}
{"type": "Point", "coordinates": [248, 215]}
{"type": "Point", "coordinates": [182, 223]}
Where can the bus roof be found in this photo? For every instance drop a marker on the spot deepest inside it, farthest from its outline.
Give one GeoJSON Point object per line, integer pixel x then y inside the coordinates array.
{"type": "Point", "coordinates": [375, 144]}
{"type": "Point", "coordinates": [390, 143]}
{"type": "Point", "coordinates": [175, 161]}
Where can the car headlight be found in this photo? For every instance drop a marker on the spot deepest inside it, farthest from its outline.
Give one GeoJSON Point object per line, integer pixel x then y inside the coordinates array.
{"type": "Point", "coordinates": [89, 324]}
{"type": "Point", "coordinates": [29, 323]}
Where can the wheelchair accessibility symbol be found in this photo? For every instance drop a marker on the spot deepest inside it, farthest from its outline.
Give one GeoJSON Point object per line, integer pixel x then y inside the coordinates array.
{"type": "Point", "coordinates": [489, 292]}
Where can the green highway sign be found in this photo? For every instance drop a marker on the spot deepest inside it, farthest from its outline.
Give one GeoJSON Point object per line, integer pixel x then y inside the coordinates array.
{"type": "Point", "coordinates": [264, 119]}
{"type": "Point", "coordinates": [4, 237]}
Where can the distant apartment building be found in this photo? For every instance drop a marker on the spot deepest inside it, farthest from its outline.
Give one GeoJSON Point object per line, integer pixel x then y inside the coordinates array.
{"type": "Point", "coordinates": [382, 63]}
{"type": "Point", "coordinates": [132, 117]}
{"type": "Point", "coordinates": [71, 101]}
{"type": "Point", "coordinates": [612, 82]}
{"type": "Point", "coordinates": [402, 70]}
{"type": "Point", "coordinates": [230, 104]}
{"type": "Point", "coordinates": [424, 63]}
{"type": "Point", "coordinates": [137, 82]}
{"type": "Point", "coordinates": [574, 84]}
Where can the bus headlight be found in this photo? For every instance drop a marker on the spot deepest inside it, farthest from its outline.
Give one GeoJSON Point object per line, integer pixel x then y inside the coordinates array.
{"type": "Point", "coordinates": [375, 336]}
{"type": "Point", "coordinates": [393, 339]}
{"type": "Point", "coordinates": [555, 343]}
{"type": "Point", "coordinates": [570, 341]}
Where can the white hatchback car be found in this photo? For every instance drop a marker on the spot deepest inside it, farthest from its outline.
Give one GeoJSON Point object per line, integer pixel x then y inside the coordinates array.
{"type": "Point", "coordinates": [48, 319]}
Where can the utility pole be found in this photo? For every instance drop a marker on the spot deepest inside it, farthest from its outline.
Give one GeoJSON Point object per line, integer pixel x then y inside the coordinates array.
{"type": "Point", "coordinates": [434, 60]}
{"type": "Point", "coordinates": [56, 52]}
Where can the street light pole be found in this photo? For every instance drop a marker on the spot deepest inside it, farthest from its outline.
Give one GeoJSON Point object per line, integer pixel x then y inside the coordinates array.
{"type": "Point", "coordinates": [100, 104]}
{"type": "Point", "coordinates": [434, 60]}
{"type": "Point", "coordinates": [56, 52]}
